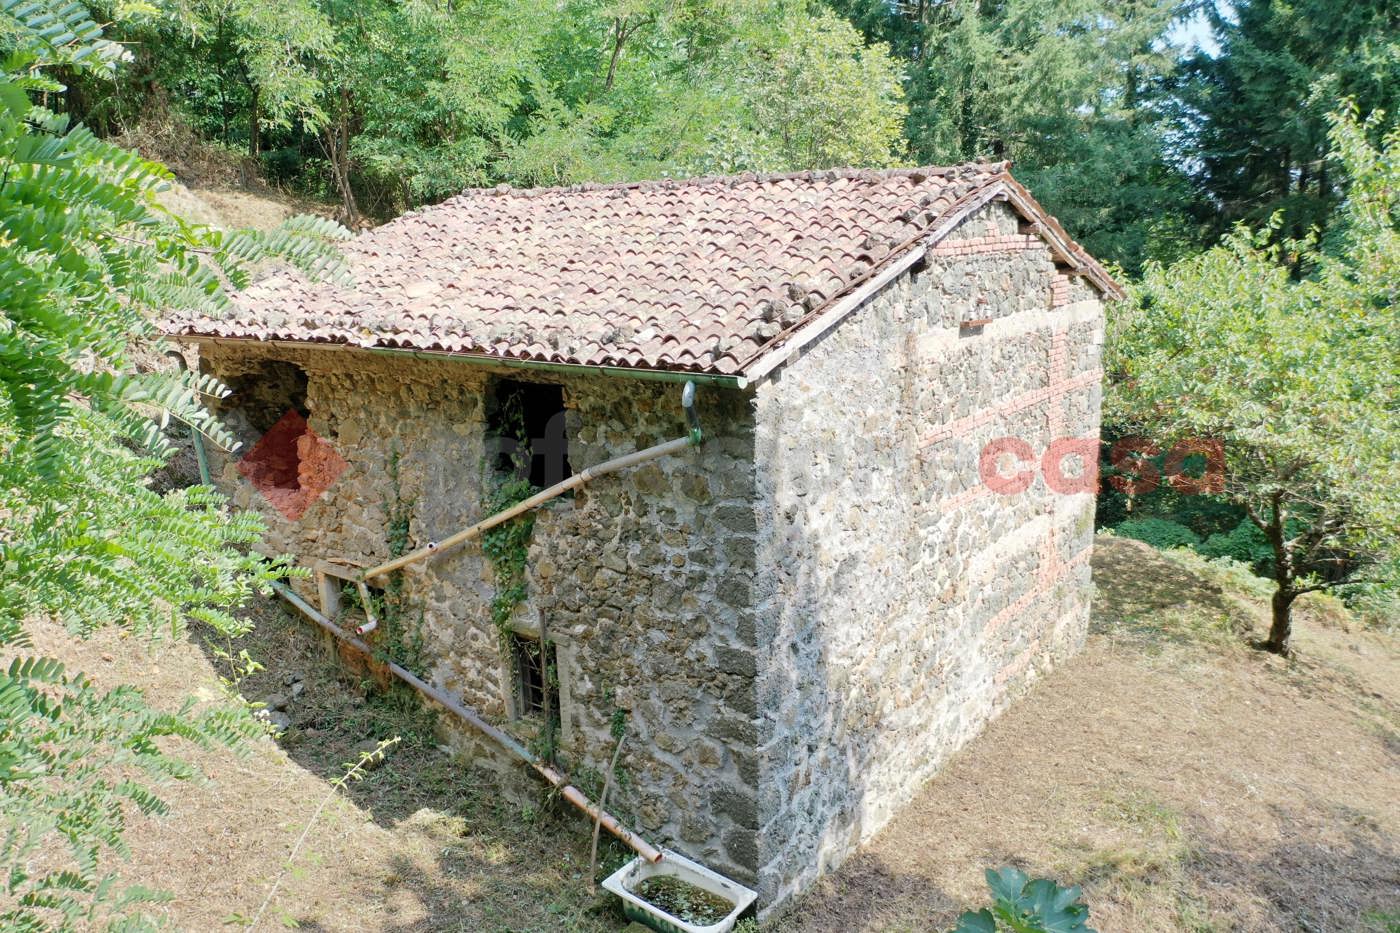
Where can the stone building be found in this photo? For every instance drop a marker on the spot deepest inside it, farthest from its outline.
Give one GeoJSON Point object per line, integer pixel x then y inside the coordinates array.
{"type": "Point", "coordinates": [883, 538]}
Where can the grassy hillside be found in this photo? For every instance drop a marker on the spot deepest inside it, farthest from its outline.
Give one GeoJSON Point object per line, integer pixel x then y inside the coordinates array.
{"type": "Point", "coordinates": [1185, 780]}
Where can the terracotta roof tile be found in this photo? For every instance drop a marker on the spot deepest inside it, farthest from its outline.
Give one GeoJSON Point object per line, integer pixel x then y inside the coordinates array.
{"type": "Point", "coordinates": [697, 275]}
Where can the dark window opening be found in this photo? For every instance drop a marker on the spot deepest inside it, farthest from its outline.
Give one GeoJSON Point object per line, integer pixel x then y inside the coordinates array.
{"type": "Point", "coordinates": [536, 677]}
{"type": "Point", "coordinates": [266, 410]}
{"type": "Point", "coordinates": [265, 395]}
{"type": "Point", "coordinates": [526, 422]}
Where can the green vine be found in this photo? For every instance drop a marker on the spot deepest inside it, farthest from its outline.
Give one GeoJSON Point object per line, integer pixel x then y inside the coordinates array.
{"type": "Point", "coordinates": [507, 545]}
{"type": "Point", "coordinates": [401, 639]}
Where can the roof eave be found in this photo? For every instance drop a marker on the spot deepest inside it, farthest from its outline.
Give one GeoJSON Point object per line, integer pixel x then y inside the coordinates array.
{"type": "Point", "coordinates": [784, 346]}
{"type": "Point", "coordinates": [487, 362]}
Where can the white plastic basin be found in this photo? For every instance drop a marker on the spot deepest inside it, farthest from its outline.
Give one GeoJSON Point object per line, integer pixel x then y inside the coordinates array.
{"type": "Point", "coordinates": [625, 879]}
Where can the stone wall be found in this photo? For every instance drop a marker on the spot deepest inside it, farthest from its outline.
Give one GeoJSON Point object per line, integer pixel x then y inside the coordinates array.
{"type": "Point", "coordinates": [642, 578]}
{"type": "Point", "coordinates": [903, 601]}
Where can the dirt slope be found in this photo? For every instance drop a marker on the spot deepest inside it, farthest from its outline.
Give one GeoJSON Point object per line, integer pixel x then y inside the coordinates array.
{"type": "Point", "coordinates": [1186, 781]}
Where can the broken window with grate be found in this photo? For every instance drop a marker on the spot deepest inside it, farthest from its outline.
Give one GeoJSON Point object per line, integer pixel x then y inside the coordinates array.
{"type": "Point", "coordinates": [536, 683]}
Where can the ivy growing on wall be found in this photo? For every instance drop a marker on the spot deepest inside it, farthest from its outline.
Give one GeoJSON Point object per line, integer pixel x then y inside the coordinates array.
{"type": "Point", "coordinates": [399, 636]}
{"type": "Point", "coordinates": [402, 626]}
{"type": "Point", "coordinates": [506, 546]}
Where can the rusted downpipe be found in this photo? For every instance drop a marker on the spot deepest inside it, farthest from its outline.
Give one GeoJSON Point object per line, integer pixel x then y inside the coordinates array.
{"type": "Point", "coordinates": [472, 718]}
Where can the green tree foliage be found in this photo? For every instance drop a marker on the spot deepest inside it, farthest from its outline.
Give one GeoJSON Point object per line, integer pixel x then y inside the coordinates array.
{"type": "Point", "coordinates": [87, 254]}
{"type": "Point", "coordinates": [1255, 112]}
{"type": "Point", "coordinates": [1158, 532]}
{"type": "Point", "coordinates": [1067, 89]}
{"type": "Point", "coordinates": [398, 103]}
{"type": "Point", "coordinates": [1298, 376]}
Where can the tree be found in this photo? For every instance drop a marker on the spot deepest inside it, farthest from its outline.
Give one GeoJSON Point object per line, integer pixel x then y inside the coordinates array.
{"type": "Point", "coordinates": [1070, 90]}
{"type": "Point", "coordinates": [1255, 112]}
{"type": "Point", "coordinates": [1298, 377]}
{"type": "Point", "coordinates": [748, 92]}
{"type": "Point", "coordinates": [390, 105]}
{"type": "Point", "coordinates": [821, 98]}
{"type": "Point", "coordinates": [88, 254]}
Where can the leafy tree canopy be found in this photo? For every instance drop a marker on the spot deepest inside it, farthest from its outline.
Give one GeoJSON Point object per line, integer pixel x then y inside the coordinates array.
{"type": "Point", "coordinates": [402, 103]}
{"type": "Point", "coordinates": [1255, 112]}
{"type": "Point", "coordinates": [86, 253]}
{"type": "Point", "coordinates": [1070, 90]}
{"type": "Point", "coordinates": [1299, 377]}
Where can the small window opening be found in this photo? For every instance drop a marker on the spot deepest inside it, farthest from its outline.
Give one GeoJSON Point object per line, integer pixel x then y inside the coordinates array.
{"type": "Point", "coordinates": [270, 403]}
{"type": "Point", "coordinates": [265, 395]}
{"type": "Point", "coordinates": [526, 421]}
{"type": "Point", "coordinates": [536, 677]}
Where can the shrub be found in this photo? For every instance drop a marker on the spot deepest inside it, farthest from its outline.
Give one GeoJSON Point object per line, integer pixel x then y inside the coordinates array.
{"type": "Point", "coordinates": [1244, 543]}
{"type": "Point", "coordinates": [1158, 532]}
{"type": "Point", "coordinates": [1020, 905]}
{"type": "Point", "coordinates": [88, 254]}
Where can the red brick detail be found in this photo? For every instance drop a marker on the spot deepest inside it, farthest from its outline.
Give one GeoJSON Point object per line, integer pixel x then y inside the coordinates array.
{"type": "Point", "coordinates": [1051, 572]}
{"type": "Point", "coordinates": [963, 498]}
{"type": "Point", "coordinates": [977, 246]}
{"type": "Point", "coordinates": [1022, 661]}
{"type": "Point", "coordinates": [1060, 291]}
{"type": "Point", "coordinates": [1020, 403]}
{"type": "Point", "coordinates": [1059, 368]}
{"type": "Point", "coordinates": [291, 465]}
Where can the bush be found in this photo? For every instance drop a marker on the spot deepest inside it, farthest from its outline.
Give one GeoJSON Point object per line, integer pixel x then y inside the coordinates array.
{"type": "Point", "coordinates": [88, 253]}
{"type": "Point", "coordinates": [1244, 543]}
{"type": "Point", "coordinates": [1158, 532]}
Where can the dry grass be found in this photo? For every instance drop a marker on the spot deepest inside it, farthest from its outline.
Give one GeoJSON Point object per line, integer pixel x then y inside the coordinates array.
{"type": "Point", "coordinates": [422, 843]}
{"type": "Point", "coordinates": [214, 184]}
{"type": "Point", "coordinates": [1186, 781]}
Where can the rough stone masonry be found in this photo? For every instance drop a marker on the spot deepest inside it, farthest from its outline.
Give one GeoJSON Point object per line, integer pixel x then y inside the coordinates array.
{"type": "Point", "coordinates": [801, 619]}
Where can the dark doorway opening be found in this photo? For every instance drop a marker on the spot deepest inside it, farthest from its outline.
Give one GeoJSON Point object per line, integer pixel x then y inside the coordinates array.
{"type": "Point", "coordinates": [526, 422]}
{"type": "Point", "coordinates": [267, 393]}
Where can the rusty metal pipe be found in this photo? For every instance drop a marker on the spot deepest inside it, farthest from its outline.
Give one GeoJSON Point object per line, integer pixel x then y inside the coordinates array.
{"type": "Point", "coordinates": [535, 501]}
{"type": "Point", "coordinates": [473, 719]}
